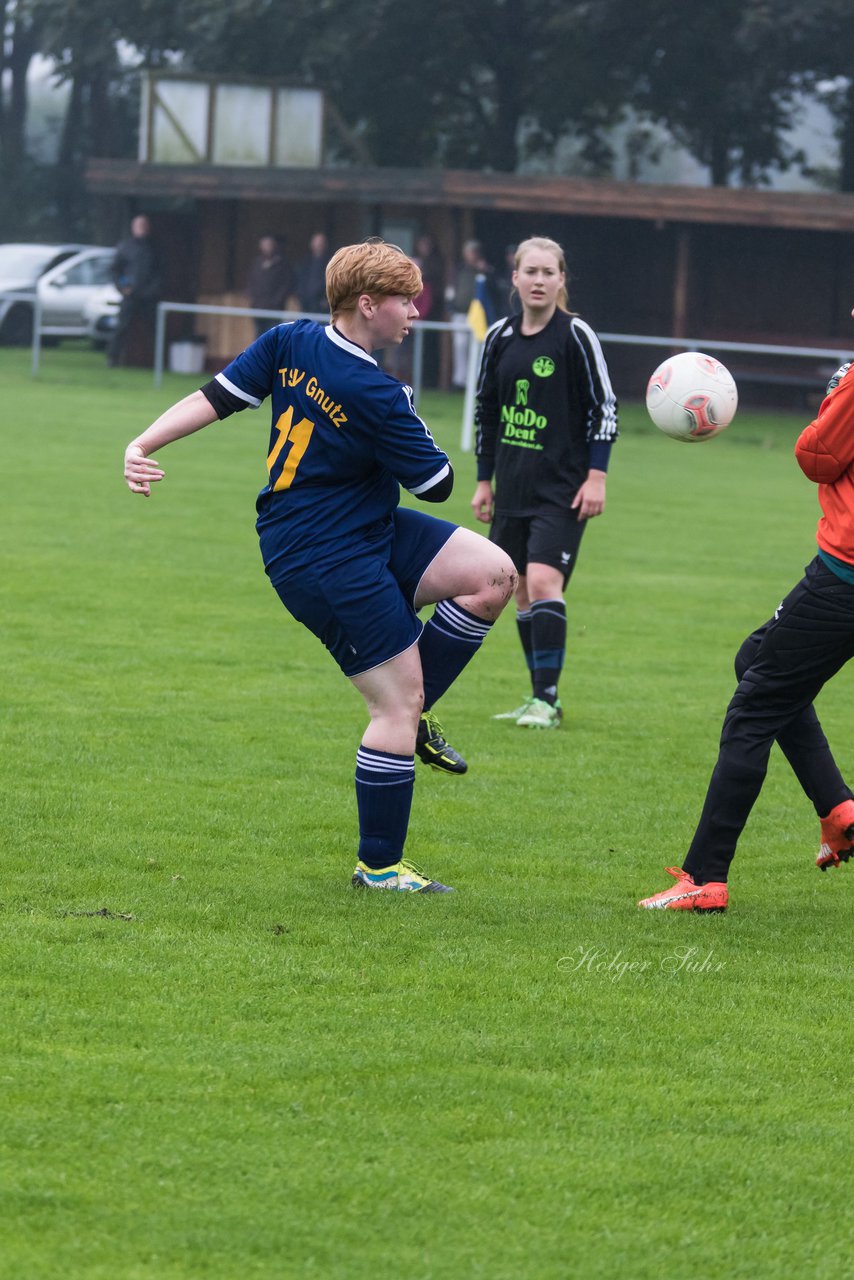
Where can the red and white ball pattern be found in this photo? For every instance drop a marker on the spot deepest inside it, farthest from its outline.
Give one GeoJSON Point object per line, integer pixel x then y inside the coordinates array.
{"type": "Point", "coordinates": [691, 396]}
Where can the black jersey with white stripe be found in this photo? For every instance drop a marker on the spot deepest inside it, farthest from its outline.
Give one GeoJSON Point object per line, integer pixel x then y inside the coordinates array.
{"type": "Point", "coordinates": [546, 413]}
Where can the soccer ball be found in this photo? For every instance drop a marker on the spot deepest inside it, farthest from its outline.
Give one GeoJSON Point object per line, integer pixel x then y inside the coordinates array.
{"type": "Point", "coordinates": [691, 396]}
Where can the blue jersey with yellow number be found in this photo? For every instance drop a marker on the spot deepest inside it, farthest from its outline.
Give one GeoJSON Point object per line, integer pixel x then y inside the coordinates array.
{"type": "Point", "coordinates": [344, 437]}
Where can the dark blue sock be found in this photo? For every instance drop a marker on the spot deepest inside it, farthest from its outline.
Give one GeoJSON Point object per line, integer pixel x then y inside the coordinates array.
{"type": "Point", "coordinates": [384, 785]}
{"type": "Point", "coordinates": [449, 641]}
{"type": "Point", "coordinates": [523, 626]}
{"type": "Point", "coordinates": [548, 641]}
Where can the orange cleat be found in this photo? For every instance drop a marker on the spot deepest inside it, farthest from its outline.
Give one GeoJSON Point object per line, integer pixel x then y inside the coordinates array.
{"type": "Point", "coordinates": [684, 895]}
{"type": "Point", "coordinates": [837, 836]}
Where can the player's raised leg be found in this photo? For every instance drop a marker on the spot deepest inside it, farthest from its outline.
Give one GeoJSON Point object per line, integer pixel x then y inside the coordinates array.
{"type": "Point", "coordinates": [470, 580]}
{"type": "Point", "coordinates": [385, 774]}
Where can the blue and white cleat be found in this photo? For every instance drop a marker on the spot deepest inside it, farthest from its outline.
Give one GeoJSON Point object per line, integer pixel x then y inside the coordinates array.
{"type": "Point", "coordinates": [402, 877]}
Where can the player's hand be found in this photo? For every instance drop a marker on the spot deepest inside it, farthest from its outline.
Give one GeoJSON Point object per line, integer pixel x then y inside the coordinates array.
{"type": "Point", "coordinates": [141, 472]}
{"type": "Point", "coordinates": [590, 499]}
{"type": "Point", "coordinates": [483, 502]}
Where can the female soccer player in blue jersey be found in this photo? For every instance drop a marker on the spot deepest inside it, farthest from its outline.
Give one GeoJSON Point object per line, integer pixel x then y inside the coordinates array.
{"type": "Point", "coordinates": [346, 560]}
{"type": "Point", "coordinates": [546, 419]}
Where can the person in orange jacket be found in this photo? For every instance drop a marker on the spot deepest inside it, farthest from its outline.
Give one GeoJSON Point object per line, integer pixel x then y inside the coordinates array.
{"type": "Point", "coordinates": [781, 668]}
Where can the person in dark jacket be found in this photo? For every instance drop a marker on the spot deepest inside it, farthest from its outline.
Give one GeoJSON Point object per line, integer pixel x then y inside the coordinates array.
{"type": "Point", "coordinates": [137, 276]}
{"type": "Point", "coordinates": [269, 284]}
{"type": "Point", "coordinates": [311, 276]}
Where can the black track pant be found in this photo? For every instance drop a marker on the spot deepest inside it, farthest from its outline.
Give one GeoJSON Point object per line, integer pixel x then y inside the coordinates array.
{"type": "Point", "coordinates": [780, 668]}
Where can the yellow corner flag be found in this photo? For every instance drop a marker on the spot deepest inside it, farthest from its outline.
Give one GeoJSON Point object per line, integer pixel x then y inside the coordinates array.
{"type": "Point", "coordinates": [481, 312]}
{"type": "Point", "coordinates": [476, 318]}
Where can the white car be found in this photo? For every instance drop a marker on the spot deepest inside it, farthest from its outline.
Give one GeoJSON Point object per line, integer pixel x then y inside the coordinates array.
{"type": "Point", "coordinates": [65, 276]}
{"type": "Point", "coordinates": [101, 312]}
{"type": "Point", "coordinates": [20, 268]}
{"type": "Point", "coordinates": [76, 294]}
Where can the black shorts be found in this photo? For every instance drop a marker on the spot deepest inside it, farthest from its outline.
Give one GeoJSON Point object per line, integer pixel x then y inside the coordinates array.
{"type": "Point", "coordinates": [551, 537]}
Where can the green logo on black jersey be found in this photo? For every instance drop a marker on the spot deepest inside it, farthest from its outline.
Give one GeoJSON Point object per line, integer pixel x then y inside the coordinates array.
{"type": "Point", "coordinates": [543, 366]}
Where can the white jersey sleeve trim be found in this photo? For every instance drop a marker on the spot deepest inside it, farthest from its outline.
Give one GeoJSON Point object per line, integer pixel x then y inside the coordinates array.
{"type": "Point", "coordinates": [599, 380]}
{"type": "Point", "coordinates": [428, 484]}
{"type": "Point", "coordinates": [252, 401]}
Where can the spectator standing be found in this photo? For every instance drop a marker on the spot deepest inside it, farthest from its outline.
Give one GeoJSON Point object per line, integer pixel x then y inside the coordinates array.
{"type": "Point", "coordinates": [505, 291]}
{"type": "Point", "coordinates": [269, 284]}
{"type": "Point", "coordinates": [137, 276]}
{"type": "Point", "coordinates": [472, 272]}
{"type": "Point", "coordinates": [430, 302]}
{"type": "Point", "coordinates": [311, 276]}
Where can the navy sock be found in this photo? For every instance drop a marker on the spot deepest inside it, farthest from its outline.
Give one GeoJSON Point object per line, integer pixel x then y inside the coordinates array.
{"type": "Point", "coordinates": [548, 642]}
{"type": "Point", "coordinates": [384, 785]}
{"type": "Point", "coordinates": [523, 626]}
{"type": "Point", "coordinates": [449, 641]}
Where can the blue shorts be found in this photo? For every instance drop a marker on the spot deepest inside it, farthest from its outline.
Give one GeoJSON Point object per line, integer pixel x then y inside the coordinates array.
{"type": "Point", "coordinates": [360, 602]}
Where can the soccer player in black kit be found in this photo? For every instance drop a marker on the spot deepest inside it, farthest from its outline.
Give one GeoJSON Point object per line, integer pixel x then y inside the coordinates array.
{"type": "Point", "coordinates": [546, 418]}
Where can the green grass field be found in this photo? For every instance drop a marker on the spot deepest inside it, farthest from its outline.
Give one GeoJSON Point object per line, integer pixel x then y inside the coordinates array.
{"type": "Point", "coordinates": [218, 1060]}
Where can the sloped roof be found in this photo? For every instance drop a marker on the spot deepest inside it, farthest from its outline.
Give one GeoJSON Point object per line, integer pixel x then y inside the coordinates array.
{"type": "Point", "coordinates": [575, 197]}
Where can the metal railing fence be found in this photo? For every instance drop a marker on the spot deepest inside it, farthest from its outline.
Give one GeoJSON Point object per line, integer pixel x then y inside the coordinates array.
{"type": "Point", "coordinates": [666, 342]}
{"type": "Point", "coordinates": [40, 330]}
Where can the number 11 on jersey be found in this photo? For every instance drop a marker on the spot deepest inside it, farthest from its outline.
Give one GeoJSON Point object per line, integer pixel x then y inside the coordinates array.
{"type": "Point", "coordinates": [297, 435]}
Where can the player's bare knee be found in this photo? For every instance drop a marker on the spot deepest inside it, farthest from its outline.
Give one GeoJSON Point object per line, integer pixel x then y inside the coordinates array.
{"type": "Point", "coordinates": [399, 716]}
{"type": "Point", "coordinates": [502, 580]}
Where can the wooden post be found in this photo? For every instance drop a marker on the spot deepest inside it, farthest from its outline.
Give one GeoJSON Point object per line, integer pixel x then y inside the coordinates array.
{"type": "Point", "coordinates": [680, 283]}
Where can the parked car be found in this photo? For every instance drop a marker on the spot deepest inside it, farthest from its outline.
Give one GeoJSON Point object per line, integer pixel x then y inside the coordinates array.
{"type": "Point", "coordinates": [77, 293]}
{"type": "Point", "coordinates": [23, 268]}
{"type": "Point", "coordinates": [101, 313]}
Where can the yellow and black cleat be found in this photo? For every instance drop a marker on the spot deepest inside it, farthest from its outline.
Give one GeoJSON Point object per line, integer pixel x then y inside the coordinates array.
{"type": "Point", "coordinates": [432, 749]}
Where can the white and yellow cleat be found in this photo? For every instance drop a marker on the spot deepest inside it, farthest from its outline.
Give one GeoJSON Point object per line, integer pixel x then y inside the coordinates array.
{"type": "Point", "coordinates": [402, 877]}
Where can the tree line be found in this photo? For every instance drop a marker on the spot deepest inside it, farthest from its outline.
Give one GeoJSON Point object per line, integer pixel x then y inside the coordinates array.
{"type": "Point", "coordinates": [492, 84]}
